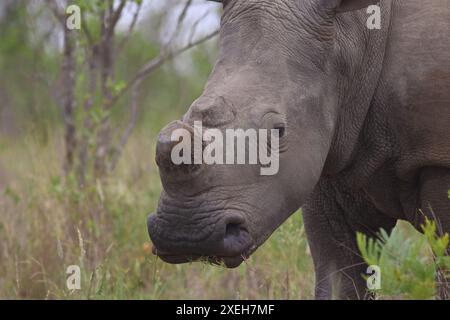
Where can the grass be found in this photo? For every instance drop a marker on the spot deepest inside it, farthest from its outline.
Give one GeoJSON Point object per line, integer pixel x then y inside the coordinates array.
{"type": "Point", "coordinates": [46, 227]}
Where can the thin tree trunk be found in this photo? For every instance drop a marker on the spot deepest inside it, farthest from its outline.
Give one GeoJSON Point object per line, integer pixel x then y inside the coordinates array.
{"type": "Point", "coordinates": [106, 60]}
{"type": "Point", "coordinates": [88, 125]}
{"type": "Point", "coordinates": [68, 100]}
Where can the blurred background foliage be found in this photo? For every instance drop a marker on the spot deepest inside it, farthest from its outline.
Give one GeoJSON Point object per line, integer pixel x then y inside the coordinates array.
{"type": "Point", "coordinates": [30, 61]}
{"type": "Point", "coordinates": [48, 221]}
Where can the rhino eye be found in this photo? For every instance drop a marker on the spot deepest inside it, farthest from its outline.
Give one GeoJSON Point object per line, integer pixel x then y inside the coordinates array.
{"type": "Point", "coordinates": [281, 130]}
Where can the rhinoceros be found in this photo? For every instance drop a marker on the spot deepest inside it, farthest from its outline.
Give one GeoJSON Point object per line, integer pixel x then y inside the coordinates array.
{"type": "Point", "coordinates": [363, 120]}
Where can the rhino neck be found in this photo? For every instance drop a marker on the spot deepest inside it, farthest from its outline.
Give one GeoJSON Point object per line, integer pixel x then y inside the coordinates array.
{"type": "Point", "coordinates": [359, 56]}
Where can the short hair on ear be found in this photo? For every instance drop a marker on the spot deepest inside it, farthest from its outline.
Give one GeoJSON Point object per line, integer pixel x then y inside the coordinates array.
{"type": "Point", "coordinates": [351, 5]}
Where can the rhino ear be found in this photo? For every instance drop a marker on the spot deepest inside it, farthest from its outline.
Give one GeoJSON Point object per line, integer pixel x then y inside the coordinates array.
{"type": "Point", "coordinates": [351, 5]}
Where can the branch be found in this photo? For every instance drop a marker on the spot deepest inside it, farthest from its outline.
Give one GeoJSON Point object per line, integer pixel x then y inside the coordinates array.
{"type": "Point", "coordinates": [180, 20]}
{"type": "Point", "coordinates": [155, 63]}
{"type": "Point", "coordinates": [195, 25]}
{"type": "Point", "coordinates": [58, 13]}
{"type": "Point", "coordinates": [114, 18]}
{"type": "Point", "coordinates": [86, 30]}
{"type": "Point", "coordinates": [129, 129]}
{"type": "Point", "coordinates": [69, 103]}
{"type": "Point", "coordinates": [87, 121]}
{"type": "Point", "coordinates": [130, 29]}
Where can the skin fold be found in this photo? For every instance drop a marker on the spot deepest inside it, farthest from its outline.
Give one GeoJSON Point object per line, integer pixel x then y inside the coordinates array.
{"type": "Point", "coordinates": [365, 116]}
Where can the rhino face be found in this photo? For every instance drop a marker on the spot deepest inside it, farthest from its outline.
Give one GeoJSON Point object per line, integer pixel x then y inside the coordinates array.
{"type": "Point", "coordinates": [274, 71]}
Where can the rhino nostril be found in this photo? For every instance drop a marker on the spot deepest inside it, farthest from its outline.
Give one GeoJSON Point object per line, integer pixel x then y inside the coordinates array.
{"type": "Point", "coordinates": [235, 231]}
{"type": "Point", "coordinates": [236, 239]}
{"type": "Point", "coordinates": [232, 230]}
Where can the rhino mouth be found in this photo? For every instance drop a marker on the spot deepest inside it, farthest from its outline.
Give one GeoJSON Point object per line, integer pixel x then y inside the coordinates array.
{"type": "Point", "coordinates": [227, 261]}
{"type": "Point", "coordinates": [222, 238]}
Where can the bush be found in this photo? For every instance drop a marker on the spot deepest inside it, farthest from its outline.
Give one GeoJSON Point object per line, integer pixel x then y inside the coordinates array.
{"type": "Point", "coordinates": [409, 266]}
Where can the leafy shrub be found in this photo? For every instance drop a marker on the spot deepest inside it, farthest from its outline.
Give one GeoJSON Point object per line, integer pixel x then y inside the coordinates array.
{"type": "Point", "coordinates": [409, 265]}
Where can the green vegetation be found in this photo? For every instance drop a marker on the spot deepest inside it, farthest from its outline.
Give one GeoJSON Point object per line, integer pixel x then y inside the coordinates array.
{"type": "Point", "coordinates": [409, 265]}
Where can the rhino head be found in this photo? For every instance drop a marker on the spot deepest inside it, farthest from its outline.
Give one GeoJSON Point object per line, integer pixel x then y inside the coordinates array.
{"type": "Point", "coordinates": [275, 70]}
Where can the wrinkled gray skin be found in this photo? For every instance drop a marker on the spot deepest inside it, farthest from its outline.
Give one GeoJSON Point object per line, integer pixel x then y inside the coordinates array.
{"type": "Point", "coordinates": [367, 133]}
